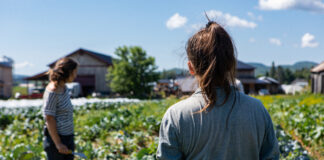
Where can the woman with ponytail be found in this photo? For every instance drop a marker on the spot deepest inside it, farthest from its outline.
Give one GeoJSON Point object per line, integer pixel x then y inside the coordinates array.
{"type": "Point", "coordinates": [58, 111]}
{"type": "Point", "coordinates": [217, 121]}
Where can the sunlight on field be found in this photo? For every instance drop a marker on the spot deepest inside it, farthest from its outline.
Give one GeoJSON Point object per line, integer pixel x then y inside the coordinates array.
{"type": "Point", "coordinates": [130, 130]}
{"type": "Point", "coordinates": [302, 117]}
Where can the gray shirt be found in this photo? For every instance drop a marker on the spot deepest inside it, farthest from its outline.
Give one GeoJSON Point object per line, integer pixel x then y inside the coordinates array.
{"type": "Point", "coordinates": [248, 134]}
{"type": "Point", "coordinates": [59, 105]}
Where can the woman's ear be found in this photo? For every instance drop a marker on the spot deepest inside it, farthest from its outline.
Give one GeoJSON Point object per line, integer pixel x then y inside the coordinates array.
{"type": "Point", "coordinates": [191, 69]}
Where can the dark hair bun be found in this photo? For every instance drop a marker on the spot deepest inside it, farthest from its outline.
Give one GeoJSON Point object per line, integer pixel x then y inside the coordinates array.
{"type": "Point", "coordinates": [62, 70]}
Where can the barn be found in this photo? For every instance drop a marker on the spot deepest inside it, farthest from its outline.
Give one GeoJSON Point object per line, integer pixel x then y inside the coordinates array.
{"type": "Point", "coordinates": [317, 76]}
{"type": "Point", "coordinates": [6, 80]}
{"type": "Point", "coordinates": [91, 74]}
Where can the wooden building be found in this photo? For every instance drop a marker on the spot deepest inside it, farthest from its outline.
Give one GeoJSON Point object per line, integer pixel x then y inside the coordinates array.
{"type": "Point", "coordinates": [245, 79]}
{"type": "Point", "coordinates": [6, 80]}
{"type": "Point", "coordinates": [317, 76]}
{"type": "Point", "coordinates": [245, 73]}
{"type": "Point", "coordinates": [92, 71]}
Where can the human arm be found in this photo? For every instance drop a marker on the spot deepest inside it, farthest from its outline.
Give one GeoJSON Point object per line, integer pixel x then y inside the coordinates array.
{"type": "Point", "coordinates": [270, 148]}
{"type": "Point", "coordinates": [51, 127]}
{"type": "Point", "coordinates": [168, 147]}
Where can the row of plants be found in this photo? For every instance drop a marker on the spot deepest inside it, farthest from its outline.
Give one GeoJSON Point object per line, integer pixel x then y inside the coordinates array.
{"type": "Point", "coordinates": [302, 117]}
{"type": "Point", "coordinates": [130, 130]}
{"type": "Point", "coordinates": [102, 130]}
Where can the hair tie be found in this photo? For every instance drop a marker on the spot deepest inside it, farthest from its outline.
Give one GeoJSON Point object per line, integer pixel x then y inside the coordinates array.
{"type": "Point", "coordinates": [209, 23]}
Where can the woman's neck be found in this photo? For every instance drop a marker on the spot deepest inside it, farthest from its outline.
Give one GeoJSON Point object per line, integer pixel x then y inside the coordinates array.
{"type": "Point", "coordinates": [59, 84]}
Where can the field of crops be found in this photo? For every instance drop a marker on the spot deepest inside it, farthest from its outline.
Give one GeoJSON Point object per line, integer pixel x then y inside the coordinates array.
{"type": "Point", "coordinates": [129, 130]}
{"type": "Point", "coordinates": [301, 117]}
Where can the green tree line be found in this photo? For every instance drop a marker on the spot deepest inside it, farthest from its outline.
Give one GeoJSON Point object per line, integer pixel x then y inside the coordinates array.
{"type": "Point", "coordinates": [286, 76]}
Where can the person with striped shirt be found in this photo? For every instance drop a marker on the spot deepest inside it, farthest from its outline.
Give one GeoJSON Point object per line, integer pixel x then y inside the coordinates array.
{"type": "Point", "coordinates": [58, 111]}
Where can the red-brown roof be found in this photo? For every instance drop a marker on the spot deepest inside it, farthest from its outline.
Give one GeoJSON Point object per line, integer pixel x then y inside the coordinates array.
{"type": "Point", "coordinates": [39, 76]}
{"type": "Point", "coordinates": [318, 68]}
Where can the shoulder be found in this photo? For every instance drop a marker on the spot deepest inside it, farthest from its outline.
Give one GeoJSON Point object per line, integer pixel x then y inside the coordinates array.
{"type": "Point", "coordinates": [184, 109]}
{"type": "Point", "coordinates": [252, 105]}
{"type": "Point", "coordinates": [192, 103]}
{"type": "Point", "coordinates": [249, 101]}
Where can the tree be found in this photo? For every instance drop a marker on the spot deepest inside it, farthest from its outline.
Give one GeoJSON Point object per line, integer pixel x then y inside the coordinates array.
{"type": "Point", "coordinates": [289, 76]}
{"type": "Point", "coordinates": [133, 72]}
{"type": "Point", "coordinates": [267, 74]}
{"type": "Point", "coordinates": [273, 70]}
{"type": "Point", "coordinates": [303, 73]}
{"type": "Point", "coordinates": [280, 74]}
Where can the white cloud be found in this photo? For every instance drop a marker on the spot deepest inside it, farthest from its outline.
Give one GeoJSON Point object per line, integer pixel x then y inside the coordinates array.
{"type": "Point", "coordinates": [308, 5]}
{"type": "Point", "coordinates": [194, 27]}
{"type": "Point", "coordinates": [230, 20]}
{"type": "Point", "coordinates": [176, 21]}
{"type": "Point", "coordinates": [275, 41]}
{"type": "Point", "coordinates": [197, 26]}
{"type": "Point", "coordinates": [254, 17]}
{"type": "Point", "coordinates": [308, 40]}
{"type": "Point", "coordinates": [23, 65]}
{"type": "Point", "coordinates": [252, 40]}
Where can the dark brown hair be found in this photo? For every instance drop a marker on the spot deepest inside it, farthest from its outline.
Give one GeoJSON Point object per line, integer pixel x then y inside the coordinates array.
{"type": "Point", "coordinates": [212, 54]}
{"type": "Point", "coordinates": [62, 70]}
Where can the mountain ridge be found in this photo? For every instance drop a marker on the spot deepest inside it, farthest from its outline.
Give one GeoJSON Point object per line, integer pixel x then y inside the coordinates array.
{"type": "Point", "coordinates": [261, 69]}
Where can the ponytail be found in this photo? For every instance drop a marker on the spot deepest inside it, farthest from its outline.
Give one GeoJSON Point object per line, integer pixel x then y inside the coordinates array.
{"type": "Point", "coordinates": [212, 53]}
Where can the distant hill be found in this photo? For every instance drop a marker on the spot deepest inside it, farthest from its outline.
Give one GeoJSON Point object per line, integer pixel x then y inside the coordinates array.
{"type": "Point", "coordinates": [301, 65]}
{"type": "Point", "coordinates": [261, 69]}
{"type": "Point", "coordinates": [18, 78]}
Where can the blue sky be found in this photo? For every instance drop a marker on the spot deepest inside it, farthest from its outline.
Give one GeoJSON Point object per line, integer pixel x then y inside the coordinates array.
{"type": "Point", "coordinates": [36, 32]}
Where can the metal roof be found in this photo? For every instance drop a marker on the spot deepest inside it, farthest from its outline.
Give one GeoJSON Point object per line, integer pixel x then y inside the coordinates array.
{"type": "Point", "coordinates": [243, 66]}
{"type": "Point", "coordinates": [4, 64]}
{"type": "Point", "coordinates": [252, 80]}
{"type": "Point", "coordinates": [269, 79]}
{"type": "Point", "coordinates": [99, 56]}
{"type": "Point", "coordinates": [318, 68]}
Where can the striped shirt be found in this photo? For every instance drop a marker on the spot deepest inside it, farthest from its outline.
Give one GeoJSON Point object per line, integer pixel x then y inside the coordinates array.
{"type": "Point", "coordinates": [59, 105]}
